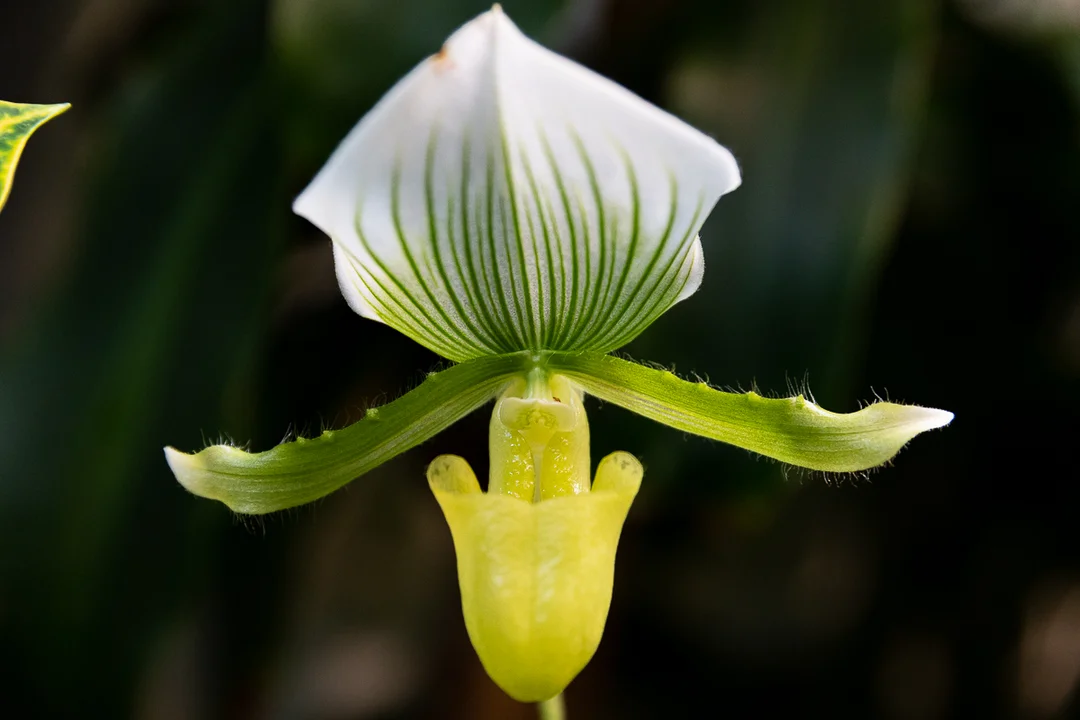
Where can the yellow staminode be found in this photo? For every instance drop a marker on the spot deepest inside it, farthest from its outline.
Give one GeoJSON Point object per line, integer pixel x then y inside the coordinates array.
{"type": "Point", "coordinates": [536, 553]}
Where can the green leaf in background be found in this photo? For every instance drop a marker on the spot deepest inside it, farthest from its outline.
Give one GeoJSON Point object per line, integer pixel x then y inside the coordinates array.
{"type": "Point", "coordinates": [822, 103]}
{"type": "Point", "coordinates": [830, 99]}
{"type": "Point", "coordinates": [299, 472]}
{"type": "Point", "coordinates": [793, 430]}
{"type": "Point", "coordinates": [123, 357]}
{"type": "Point", "coordinates": [17, 123]}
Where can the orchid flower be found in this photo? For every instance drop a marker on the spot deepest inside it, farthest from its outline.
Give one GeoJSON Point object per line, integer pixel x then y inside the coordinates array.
{"type": "Point", "coordinates": [524, 217]}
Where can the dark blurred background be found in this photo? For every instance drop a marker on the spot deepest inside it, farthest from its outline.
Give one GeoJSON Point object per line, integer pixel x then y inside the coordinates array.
{"type": "Point", "coordinates": [909, 226]}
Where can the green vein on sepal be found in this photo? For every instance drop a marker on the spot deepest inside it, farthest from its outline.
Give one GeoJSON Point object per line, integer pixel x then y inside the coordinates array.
{"type": "Point", "coordinates": [792, 430]}
{"type": "Point", "coordinates": [594, 277]}
{"type": "Point", "coordinates": [298, 472]}
{"type": "Point", "coordinates": [463, 345]}
{"type": "Point", "coordinates": [482, 303]}
{"type": "Point", "coordinates": [434, 243]}
{"type": "Point", "coordinates": [665, 287]}
{"type": "Point", "coordinates": [17, 123]}
{"type": "Point", "coordinates": [614, 297]}
{"type": "Point", "coordinates": [563, 323]}
{"type": "Point", "coordinates": [492, 269]}
{"type": "Point", "coordinates": [527, 308]}
{"type": "Point", "coordinates": [637, 302]}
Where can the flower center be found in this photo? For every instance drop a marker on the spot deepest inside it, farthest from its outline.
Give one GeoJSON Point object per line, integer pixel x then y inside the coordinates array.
{"type": "Point", "coordinates": [539, 439]}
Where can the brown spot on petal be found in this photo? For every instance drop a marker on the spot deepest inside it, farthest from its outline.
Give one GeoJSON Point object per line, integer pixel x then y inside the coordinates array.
{"type": "Point", "coordinates": [442, 59]}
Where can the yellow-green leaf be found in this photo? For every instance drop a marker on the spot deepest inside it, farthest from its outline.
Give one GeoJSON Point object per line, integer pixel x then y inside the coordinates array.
{"type": "Point", "coordinates": [17, 123]}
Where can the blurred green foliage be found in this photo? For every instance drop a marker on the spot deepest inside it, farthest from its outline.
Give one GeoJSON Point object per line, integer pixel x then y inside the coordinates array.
{"type": "Point", "coordinates": [907, 222]}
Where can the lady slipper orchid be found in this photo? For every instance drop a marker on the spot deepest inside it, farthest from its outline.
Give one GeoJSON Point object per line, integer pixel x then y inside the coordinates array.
{"type": "Point", "coordinates": [523, 216]}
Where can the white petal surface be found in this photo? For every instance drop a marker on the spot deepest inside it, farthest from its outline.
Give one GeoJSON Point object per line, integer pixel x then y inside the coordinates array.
{"type": "Point", "coordinates": [503, 198]}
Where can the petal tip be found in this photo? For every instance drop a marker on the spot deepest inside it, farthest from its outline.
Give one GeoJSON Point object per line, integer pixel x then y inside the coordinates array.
{"type": "Point", "coordinates": [452, 474]}
{"type": "Point", "coordinates": [306, 206]}
{"type": "Point", "coordinates": [192, 473]}
{"type": "Point", "coordinates": [731, 168]}
{"type": "Point", "coordinates": [493, 21]}
{"type": "Point", "coordinates": [932, 418]}
{"type": "Point", "coordinates": [619, 472]}
{"type": "Point", "coordinates": [185, 466]}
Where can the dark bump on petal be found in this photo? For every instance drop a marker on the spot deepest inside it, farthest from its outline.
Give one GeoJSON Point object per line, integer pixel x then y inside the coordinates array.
{"type": "Point", "coordinates": [441, 59]}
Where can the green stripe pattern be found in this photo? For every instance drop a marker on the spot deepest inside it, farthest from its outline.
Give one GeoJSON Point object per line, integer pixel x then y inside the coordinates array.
{"type": "Point", "coordinates": [503, 199]}
{"type": "Point", "coordinates": [503, 266]}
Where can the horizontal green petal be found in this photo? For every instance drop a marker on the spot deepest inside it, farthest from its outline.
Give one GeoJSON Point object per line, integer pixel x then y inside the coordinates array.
{"type": "Point", "coordinates": [304, 470]}
{"type": "Point", "coordinates": [17, 123]}
{"type": "Point", "coordinates": [503, 198]}
{"type": "Point", "coordinates": [792, 430]}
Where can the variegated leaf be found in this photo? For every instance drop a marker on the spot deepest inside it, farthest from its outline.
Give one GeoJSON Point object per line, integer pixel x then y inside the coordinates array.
{"type": "Point", "coordinates": [17, 123]}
